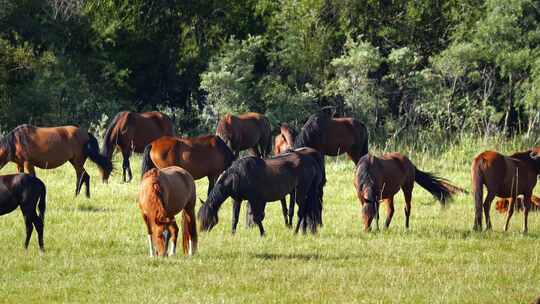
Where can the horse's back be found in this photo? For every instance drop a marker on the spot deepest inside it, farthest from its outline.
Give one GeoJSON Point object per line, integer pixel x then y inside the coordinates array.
{"type": "Point", "coordinates": [179, 188]}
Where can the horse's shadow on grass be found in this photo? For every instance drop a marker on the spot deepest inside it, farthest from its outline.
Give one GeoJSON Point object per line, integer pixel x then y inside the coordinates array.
{"type": "Point", "coordinates": [92, 209]}
{"type": "Point", "coordinates": [297, 256]}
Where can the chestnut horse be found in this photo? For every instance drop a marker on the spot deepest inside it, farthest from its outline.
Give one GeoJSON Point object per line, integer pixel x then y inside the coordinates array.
{"type": "Point", "coordinates": [260, 181]}
{"type": "Point", "coordinates": [506, 177]}
{"type": "Point", "coordinates": [200, 156]}
{"type": "Point", "coordinates": [334, 136]}
{"type": "Point", "coordinates": [502, 204]}
{"type": "Point", "coordinates": [48, 148]}
{"type": "Point", "coordinates": [380, 178]}
{"type": "Point", "coordinates": [163, 194]}
{"type": "Point", "coordinates": [285, 139]}
{"type": "Point", "coordinates": [247, 131]}
{"type": "Point", "coordinates": [131, 132]}
{"type": "Point", "coordinates": [28, 192]}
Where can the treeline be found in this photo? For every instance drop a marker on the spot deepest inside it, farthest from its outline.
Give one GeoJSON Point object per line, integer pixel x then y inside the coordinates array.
{"type": "Point", "coordinates": [402, 66]}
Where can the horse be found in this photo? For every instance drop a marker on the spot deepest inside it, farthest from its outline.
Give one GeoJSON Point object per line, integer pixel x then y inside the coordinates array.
{"type": "Point", "coordinates": [334, 136]}
{"type": "Point", "coordinates": [502, 204]}
{"type": "Point", "coordinates": [204, 156]}
{"type": "Point", "coordinates": [506, 177]}
{"type": "Point", "coordinates": [380, 178]}
{"type": "Point", "coordinates": [48, 148]}
{"type": "Point", "coordinates": [285, 140]}
{"type": "Point", "coordinates": [247, 131]}
{"type": "Point", "coordinates": [26, 191]}
{"type": "Point", "coordinates": [259, 181]}
{"type": "Point", "coordinates": [130, 131]}
{"type": "Point", "coordinates": [163, 194]}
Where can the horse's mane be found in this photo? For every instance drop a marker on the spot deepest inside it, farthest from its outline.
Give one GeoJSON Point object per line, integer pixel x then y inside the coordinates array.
{"type": "Point", "coordinates": [312, 132]}
{"type": "Point", "coordinates": [107, 140]}
{"type": "Point", "coordinates": [225, 150]}
{"type": "Point", "coordinates": [365, 178]}
{"type": "Point", "coordinates": [9, 140]}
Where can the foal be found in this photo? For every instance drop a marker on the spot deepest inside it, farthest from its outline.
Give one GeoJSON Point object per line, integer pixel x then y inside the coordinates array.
{"type": "Point", "coordinates": [28, 192]}
{"type": "Point", "coordinates": [163, 194]}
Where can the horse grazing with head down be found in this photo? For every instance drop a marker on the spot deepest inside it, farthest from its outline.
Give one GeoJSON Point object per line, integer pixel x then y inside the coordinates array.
{"type": "Point", "coordinates": [131, 132]}
{"type": "Point", "coordinates": [285, 139]}
{"type": "Point", "coordinates": [48, 148]}
{"type": "Point", "coordinates": [502, 204]}
{"type": "Point", "coordinates": [28, 192]}
{"type": "Point", "coordinates": [247, 131]}
{"type": "Point", "coordinates": [200, 156]}
{"type": "Point", "coordinates": [380, 178]}
{"type": "Point", "coordinates": [260, 181]}
{"type": "Point", "coordinates": [163, 194]}
{"type": "Point", "coordinates": [506, 177]}
{"type": "Point", "coordinates": [334, 136]}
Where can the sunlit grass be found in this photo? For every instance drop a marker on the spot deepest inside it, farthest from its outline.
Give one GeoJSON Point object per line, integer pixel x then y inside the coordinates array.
{"type": "Point", "coordinates": [96, 249]}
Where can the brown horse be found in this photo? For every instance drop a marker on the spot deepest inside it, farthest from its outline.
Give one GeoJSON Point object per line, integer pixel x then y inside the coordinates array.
{"type": "Point", "coordinates": [502, 204]}
{"type": "Point", "coordinates": [334, 136]}
{"type": "Point", "coordinates": [163, 194]}
{"type": "Point", "coordinates": [200, 156]}
{"type": "Point", "coordinates": [131, 131]}
{"type": "Point", "coordinates": [48, 148]}
{"type": "Point", "coordinates": [380, 178]}
{"type": "Point", "coordinates": [506, 177]}
{"type": "Point", "coordinates": [285, 139]}
{"type": "Point", "coordinates": [247, 131]}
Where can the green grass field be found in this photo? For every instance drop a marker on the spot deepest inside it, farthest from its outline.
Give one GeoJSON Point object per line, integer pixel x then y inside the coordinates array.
{"type": "Point", "coordinates": [96, 249]}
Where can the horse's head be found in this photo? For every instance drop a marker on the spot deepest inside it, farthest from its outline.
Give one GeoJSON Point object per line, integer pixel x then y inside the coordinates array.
{"type": "Point", "coordinates": [105, 174]}
{"type": "Point", "coordinates": [208, 217]}
{"type": "Point", "coordinates": [370, 205]}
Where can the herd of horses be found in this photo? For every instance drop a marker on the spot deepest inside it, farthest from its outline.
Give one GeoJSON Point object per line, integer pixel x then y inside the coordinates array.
{"type": "Point", "coordinates": [171, 164]}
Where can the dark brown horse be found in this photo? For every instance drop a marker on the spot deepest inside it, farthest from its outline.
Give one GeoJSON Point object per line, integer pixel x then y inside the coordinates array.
{"type": "Point", "coordinates": [48, 148]}
{"type": "Point", "coordinates": [163, 194]}
{"type": "Point", "coordinates": [131, 132]}
{"type": "Point", "coordinates": [28, 192]}
{"type": "Point", "coordinates": [506, 177]}
{"type": "Point", "coordinates": [260, 181]}
{"type": "Point", "coordinates": [204, 156]}
{"type": "Point", "coordinates": [334, 136]}
{"type": "Point", "coordinates": [285, 139]}
{"type": "Point", "coordinates": [247, 131]}
{"type": "Point", "coordinates": [380, 178]}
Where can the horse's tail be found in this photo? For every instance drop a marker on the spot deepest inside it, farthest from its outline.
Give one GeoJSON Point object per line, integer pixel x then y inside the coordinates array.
{"type": "Point", "coordinates": [477, 178]}
{"type": "Point", "coordinates": [42, 201]}
{"type": "Point", "coordinates": [91, 149]}
{"type": "Point", "coordinates": [189, 233]}
{"type": "Point", "coordinates": [437, 186]}
{"type": "Point", "coordinates": [228, 155]}
{"type": "Point", "coordinates": [147, 162]}
{"type": "Point", "coordinates": [110, 137]}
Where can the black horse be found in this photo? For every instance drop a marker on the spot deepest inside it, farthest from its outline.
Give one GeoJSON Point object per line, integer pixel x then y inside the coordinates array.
{"type": "Point", "coordinates": [265, 180]}
{"type": "Point", "coordinates": [28, 192]}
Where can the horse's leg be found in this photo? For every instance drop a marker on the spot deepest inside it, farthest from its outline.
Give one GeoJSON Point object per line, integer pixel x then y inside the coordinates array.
{"type": "Point", "coordinates": [527, 207]}
{"type": "Point", "coordinates": [284, 210]}
{"type": "Point", "coordinates": [173, 231]}
{"type": "Point", "coordinates": [258, 214]}
{"type": "Point", "coordinates": [510, 212]}
{"type": "Point", "coordinates": [192, 229]}
{"type": "Point", "coordinates": [28, 220]}
{"type": "Point", "coordinates": [407, 193]}
{"type": "Point", "coordinates": [487, 207]}
{"type": "Point", "coordinates": [292, 201]}
{"type": "Point", "coordinates": [389, 211]}
{"type": "Point", "coordinates": [86, 179]}
{"type": "Point", "coordinates": [126, 153]}
{"type": "Point", "coordinates": [20, 167]}
{"type": "Point", "coordinates": [29, 168]}
{"type": "Point", "coordinates": [235, 214]}
{"type": "Point", "coordinates": [149, 230]}
{"type": "Point", "coordinates": [249, 217]}
{"type": "Point", "coordinates": [79, 171]}
{"type": "Point", "coordinates": [301, 201]}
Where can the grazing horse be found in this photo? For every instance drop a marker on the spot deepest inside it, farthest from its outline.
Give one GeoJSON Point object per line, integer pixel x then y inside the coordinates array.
{"type": "Point", "coordinates": [506, 177]}
{"type": "Point", "coordinates": [163, 194]}
{"type": "Point", "coordinates": [380, 178]}
{"type": "Point", "coordinates": [247, 131]}
{"type": "Point", "coordinates": [285, 139]}
{"type": "Point", "coordinates": [502, 204]}
{"type": "Point", "coordinates": [48, 148]}
{"type": "Point", "coordinates": [131, 131]}
{"type": "Point", "coordinates": [260, 181]}
{"type": "Point", "coordinates": [334, 136]}
{"type": "Point", "coordinates": [28, 192]}
{"type": "Point", "coordinates": [200, 156]}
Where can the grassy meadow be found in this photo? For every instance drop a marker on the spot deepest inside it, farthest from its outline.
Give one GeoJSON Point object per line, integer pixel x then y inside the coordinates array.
{"type": "Point", "coordinates": [96, 249]}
